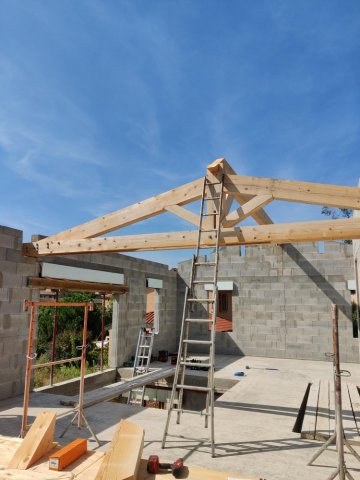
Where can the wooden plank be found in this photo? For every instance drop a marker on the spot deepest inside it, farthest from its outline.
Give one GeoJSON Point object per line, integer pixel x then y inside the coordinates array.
{"type": "Point", "coordinates": [184, 214]}
{"type": "Point", "coordinates": [68, 454]}
{"type": "Point", "coordinates": [247, 209]}
{"type": "Point", "coordinates": [76, 285]}
{"type": "Point", "coordinates": [323, 414]}
{"type": "Point", "coordinates": [139, 211]}
{"type": "Point", "coordinates": [342, 229]}
{"type": "Point", "coordinates": [122, 460]}
{"type": "Point", "coordinates": [355, 403]}
{"type": "Point", "coordinates": [38, 441]}
{"type": "Point", "coordinates": [310, 419]}
{"type": "Point", "coordinates": [109, 392]}
{"type": "Point", "coordinates": [303, 192]}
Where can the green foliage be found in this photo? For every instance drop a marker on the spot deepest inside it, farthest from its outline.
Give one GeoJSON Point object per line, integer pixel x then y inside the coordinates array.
{"type": "Point", "coordinates": [70, 332]}
{"type": "Point", "coordinates": [336, 213]}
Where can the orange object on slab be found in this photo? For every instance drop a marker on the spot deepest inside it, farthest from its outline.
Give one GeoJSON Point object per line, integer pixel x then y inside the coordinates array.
{"type": "Point", "coordinates": [71, 452]}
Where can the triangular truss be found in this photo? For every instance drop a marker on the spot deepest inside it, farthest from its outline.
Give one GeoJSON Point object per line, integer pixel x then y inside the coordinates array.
{"type": "Point", "coordinates": [251, 193]}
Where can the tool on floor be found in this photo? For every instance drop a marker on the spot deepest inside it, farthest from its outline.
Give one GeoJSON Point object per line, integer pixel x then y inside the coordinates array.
{"type": "Point", "coordinates": [260, 368]}
{"type": "Point", "coordinates": [141, 363]}
{"type": "Point", "coordinates": [154, 465]}
{"type": "Point", "coordinates": [198, 304]}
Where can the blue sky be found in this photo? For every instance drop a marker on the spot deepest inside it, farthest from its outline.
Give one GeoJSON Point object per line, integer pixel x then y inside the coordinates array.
{"type": "Point", "coordinates": [105, 103]}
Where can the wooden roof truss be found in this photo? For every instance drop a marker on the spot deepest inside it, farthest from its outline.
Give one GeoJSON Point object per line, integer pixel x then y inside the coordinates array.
{"type": "Point", "coordinates": [251, 193]}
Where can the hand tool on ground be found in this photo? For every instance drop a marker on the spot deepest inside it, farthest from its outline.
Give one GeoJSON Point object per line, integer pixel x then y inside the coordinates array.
{"type": "Point", "coordinates": [154, 465]}
{"type": "Point", "coordinates": [260, 368]}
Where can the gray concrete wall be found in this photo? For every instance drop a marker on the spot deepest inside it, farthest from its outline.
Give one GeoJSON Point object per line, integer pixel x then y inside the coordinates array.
{"type": "Point", "coordinates": [128, 313]}
{"type": "Point", "coordinates": [14, 322]}
{"type": "Point", "coordinates": [92, 381]}
{"type": "Point", "coordinates": [282, 300]}
{"type": "Point", "coordinates": [129, 309]}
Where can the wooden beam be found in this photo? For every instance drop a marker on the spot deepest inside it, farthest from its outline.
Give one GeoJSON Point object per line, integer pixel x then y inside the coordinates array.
{"type": "Point", "coordinates": [139, 211]}
{"type": "Point", "coordinates": [122, 460]}
{"type": "Point", "coordinates": [38, 442]}
{"type": "Point", "coordinates": [221, 167]}
{"type": "Point", "coordinates": [342, 229]}
{"type": "Point", "coordinates": [228, 201]}
{"type": "Point", "coordinates": [303, 192]}
{"type": "Point", "coordinates": [75, 285]}
{"type": "Point", "coordinates": [247, 209]}
{"type": "Point", "coordinates": [184, 214]}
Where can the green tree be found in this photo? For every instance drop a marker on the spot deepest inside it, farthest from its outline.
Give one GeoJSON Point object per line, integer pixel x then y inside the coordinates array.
{"type": "Point", "coordinates": [335, 213]}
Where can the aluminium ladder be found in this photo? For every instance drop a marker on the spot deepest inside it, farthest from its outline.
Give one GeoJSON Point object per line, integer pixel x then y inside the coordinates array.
{"type": "Point", "coordinates": [209, 225]}
{"type": "Point", "coordinates": [141, 363]}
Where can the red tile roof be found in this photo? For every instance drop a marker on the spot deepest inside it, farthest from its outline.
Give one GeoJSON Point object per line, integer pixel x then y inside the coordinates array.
{"type": "Point", "coordinates": [222, 325]}
{"type": "Point", "coordinates": [149, 318]}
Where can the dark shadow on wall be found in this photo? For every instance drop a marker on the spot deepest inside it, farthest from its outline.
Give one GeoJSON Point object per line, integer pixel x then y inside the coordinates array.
{"type": "Point", "coordinates": [225, 344]}
{"type": "Point", "coordinates": [318, 279]}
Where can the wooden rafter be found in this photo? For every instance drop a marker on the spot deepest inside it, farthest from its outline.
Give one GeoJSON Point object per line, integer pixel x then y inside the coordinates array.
{"type": "Point", "coordinates": [303, 192]}
{"type": "Point", "coordinates": [252, 193]}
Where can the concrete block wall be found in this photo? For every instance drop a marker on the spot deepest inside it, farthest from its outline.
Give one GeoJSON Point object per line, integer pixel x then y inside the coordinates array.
{"type": "Point", "coordinates": [14, 322]}
{"type": "Point", "coordinates": [282, 300]}
{"type": "Point", "coordinates": [128, 312]}
{"type": "Point", "coordinates": [129, 309]}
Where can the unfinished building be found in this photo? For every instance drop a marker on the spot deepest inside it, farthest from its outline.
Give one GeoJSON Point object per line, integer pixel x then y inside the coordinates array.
{"type": "Point", "coordinates": [275, 292]}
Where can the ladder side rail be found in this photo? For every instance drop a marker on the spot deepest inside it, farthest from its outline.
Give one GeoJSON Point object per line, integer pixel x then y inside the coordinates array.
{"type": "Point", "coordinates": [183, 347]}
{"type": "Point", "coordinates": [149, 350]}
{"type": "Point", "coordinates": [129, 400]}
{"type": "Point", "coordinates": [211, 378]}
{"type": "Point", "coordinates": [201, 220]}
{"type": "Point", "coordinates": [177, 369]}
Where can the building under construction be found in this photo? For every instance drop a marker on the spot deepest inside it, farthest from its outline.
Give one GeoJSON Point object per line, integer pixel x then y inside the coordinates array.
{"type": "Point", "coordinates": [236, 347]}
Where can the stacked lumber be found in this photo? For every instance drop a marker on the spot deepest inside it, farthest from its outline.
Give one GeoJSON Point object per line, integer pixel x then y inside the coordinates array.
{"type": "Point", "coordinates": [316, 417]}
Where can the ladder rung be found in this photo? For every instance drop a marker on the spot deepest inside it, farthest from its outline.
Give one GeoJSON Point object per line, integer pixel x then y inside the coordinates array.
{"type": "Point", "coordinates": [145, 346]}
{"type": "Point", "coordinates": [210, 214]}
{"type": "Point", "coordinates": [201, 300]}
{"type": "Point", "coordinates": [213, 183]}
{"type": "Point", "coordinates": [143, 356]}
{"type": "Point", "coordinates": [181, 410]}
{"type": "Point", "coordinates": [212, 198]}
{"type": "Point", "coordinates": [209, 230]}
{"type": "Point", "coordinates": [194, 364]}
{"type": "Point", "coordinates": [193, 387]}
{"type": "Point", "coordinates": [204, 281]}
{"type": "Point", "coordinates": [205, 264]}
{"type": "Point", "coordinates": [198, 342]}
{"type": "Point", "coordinates": [198, 320]}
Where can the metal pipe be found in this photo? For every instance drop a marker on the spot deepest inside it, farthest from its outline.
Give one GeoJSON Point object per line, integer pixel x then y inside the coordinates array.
{"type": "Point", "coordinates": [83, 365]}
{"type": "Point", "coordinates": [56, 362]}
{"type": "Point", "coordinates": [53, 344]}
{"type": "Point", "coordinates": [338, 401]}
{"type": "Point", "coordinates": [29, 358]}
{"type": "Point", "coordinates": [102, 333]}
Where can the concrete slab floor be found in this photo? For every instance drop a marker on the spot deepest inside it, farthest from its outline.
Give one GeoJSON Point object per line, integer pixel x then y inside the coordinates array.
{"type": "Point", "coordinates": [253, 422]}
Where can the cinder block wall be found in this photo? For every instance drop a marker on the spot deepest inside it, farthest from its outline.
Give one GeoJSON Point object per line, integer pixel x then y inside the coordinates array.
{"type": "Point", "coordinates": [129, 309]}
{"type": "Point", "coordinates": [14, 322]}
{"type": "Point", "coordinates": [128, 313]}
{"type": "Point", "coordinates": [282, 300]}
